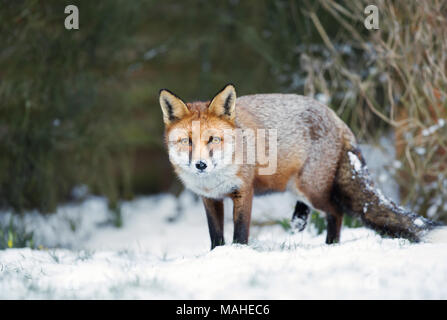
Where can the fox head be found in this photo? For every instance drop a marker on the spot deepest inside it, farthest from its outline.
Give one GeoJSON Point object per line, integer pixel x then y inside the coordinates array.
{"type": "Point", "coordinates": [198, 134]}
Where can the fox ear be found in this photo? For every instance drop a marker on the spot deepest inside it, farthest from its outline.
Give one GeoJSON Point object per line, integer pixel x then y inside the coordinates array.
{"type": "Point", "coordinates": [172, 106]}
{"type": "Point", "coordinates": [224, 103]}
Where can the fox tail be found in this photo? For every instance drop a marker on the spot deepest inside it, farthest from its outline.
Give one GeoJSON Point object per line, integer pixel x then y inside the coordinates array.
{"type": "Point", "coordinates": [356, 194]}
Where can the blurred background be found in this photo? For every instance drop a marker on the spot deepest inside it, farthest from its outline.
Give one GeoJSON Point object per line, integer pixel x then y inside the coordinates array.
{"type": "Point", "coordinates": [79, 109]}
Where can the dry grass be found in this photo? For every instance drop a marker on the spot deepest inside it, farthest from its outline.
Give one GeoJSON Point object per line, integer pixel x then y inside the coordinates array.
{"type": "Point", "coordinates": [400, 85]}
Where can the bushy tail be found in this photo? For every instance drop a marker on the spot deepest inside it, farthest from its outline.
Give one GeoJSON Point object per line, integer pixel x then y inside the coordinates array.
{"type": "Point", "coordinates": [356, 194]}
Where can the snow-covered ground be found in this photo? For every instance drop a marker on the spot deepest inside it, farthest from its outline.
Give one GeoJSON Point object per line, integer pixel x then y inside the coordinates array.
{"type": "Point", "coordinates": [162, 251]}
{"type": "Point", "coordinates": [150, 257]}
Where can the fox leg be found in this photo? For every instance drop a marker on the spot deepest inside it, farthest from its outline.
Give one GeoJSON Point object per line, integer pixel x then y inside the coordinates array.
{"type": "Point", "coordinates": [334, 219]}
{"type": "Point", "coordinates": [299, 217]}
{"type": "Point", "coordinates": [215, 216]}
{"type": "Point", "coordinates": [242, 203]}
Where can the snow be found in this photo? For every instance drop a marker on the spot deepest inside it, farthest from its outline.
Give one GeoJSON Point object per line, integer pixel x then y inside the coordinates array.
{"type": "Point", "coordinates": [153, 258]}
{"type": "Point", "coordinates": [355, 161]}
{"type": "Point", "coordinates": [323, 98]}
{"type": "Point", "coordinates": [382, 165]}
{"type": "Point", "coordinates": [438, 235]}
{"type": "Point", "coordinates": [162, 252]}
{"type": "Point", "coordinates": [440, 124]}
{"type": "Point", "coordinates": [361, 170]}
{"type": "Point", "coordinates": [419, 222]}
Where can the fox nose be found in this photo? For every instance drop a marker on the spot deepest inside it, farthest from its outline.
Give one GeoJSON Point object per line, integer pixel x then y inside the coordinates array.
{"type": "Point", "coordinates": [200, 165]}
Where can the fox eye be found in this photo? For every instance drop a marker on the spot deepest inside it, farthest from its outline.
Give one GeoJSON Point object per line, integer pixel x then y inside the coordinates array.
{"type": "Point", "coordinates": [184, 141]}
{"type": "Point", "coordinates": [215, 140]}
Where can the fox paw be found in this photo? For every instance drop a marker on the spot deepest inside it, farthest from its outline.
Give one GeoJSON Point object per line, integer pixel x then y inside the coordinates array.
{"type": "Point", "coordinates": [298, 223]}
{"type": "Point", "coordinates": [299, 217]}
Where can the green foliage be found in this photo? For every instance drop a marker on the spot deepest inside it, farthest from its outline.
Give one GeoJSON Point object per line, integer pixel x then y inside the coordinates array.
{"type": "Point", "coordinates": [117, 217]}
{"type": "Point", "coordinates": [61, 112]}
{"type": "Point", "coordinates": [318, 221]}
{"type": "Point", "coordinates": [15, 235]}
{"type": "Point", "coordinates": [80, 107]}
{"type": "Point", "coordinates": [284, 223]}
{"type": "Point", "coordinates": [351, 222]}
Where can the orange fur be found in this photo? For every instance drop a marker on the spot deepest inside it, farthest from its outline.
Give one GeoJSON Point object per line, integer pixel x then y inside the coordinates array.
{"type": "Point", "coordinates": [317, 160]}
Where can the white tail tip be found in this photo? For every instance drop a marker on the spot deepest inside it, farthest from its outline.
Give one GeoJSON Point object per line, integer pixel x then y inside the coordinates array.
{"type": "Point", "coordinates": [437, 235]}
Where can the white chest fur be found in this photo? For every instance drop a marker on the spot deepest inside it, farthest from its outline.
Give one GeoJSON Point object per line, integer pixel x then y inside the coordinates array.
{"type": "Point", "coordinates": [214, 185]}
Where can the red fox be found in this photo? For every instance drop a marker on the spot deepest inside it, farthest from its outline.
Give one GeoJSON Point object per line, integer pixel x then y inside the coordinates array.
{"type": "Point", "coordinates": [317, 159]}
